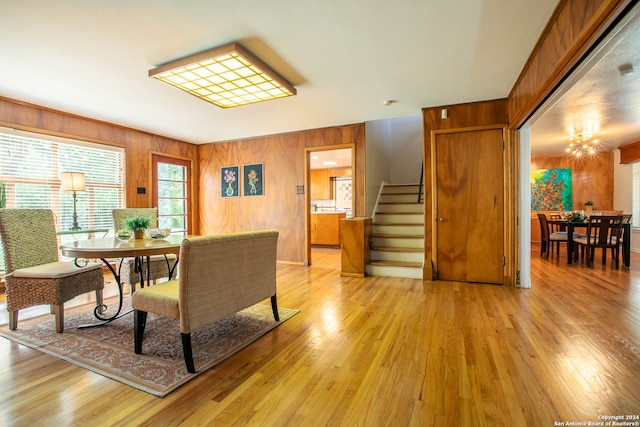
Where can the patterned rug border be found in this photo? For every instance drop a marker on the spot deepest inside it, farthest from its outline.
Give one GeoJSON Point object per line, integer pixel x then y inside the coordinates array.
{"type": "Point", "coordinates": [164, 370]}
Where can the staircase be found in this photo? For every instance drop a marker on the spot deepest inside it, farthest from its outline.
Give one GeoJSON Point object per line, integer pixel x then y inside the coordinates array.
{"type": "Point", "coordinates": [397, 234]}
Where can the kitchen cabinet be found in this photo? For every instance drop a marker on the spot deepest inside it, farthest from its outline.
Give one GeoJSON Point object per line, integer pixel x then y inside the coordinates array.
{"type": "Point", "coordinates": [325, 228]}
{"type": "Point", "coordinates": [320, 184]}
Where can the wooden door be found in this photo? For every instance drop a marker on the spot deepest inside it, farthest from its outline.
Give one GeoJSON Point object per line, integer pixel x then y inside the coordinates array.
{"type": "Point", "coordinates": [171, 192]}
{"type": "Point", "coordinates": [469, 210]}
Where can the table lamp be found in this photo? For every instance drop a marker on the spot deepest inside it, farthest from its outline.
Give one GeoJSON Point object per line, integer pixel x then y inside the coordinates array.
{"type": "Point", "coordinates": [73, 181]}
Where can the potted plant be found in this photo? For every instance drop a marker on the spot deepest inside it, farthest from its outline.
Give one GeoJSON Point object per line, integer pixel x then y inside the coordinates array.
{"type": "Point", "coordinates": [588, 205]}
{"type": "Point", "coordinates": [138, 224]}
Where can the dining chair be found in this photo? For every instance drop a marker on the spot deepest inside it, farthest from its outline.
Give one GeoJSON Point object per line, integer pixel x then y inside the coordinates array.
{"type": "Point", "coordinates": [159, 265]}
{"type": "Point", "coordinates": [603, 232]}
{"type": "Point", "coordinates": [548, 238]}
{"type": "Point", "coordinates": [35, 275]}
{"type": "Point", "coordinates": [626, 219]}
{"type": "Point", "coordinates": [557, 227]}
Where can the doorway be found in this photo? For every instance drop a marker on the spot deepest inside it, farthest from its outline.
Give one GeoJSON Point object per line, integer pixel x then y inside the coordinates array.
{"type": "Point", "coordinates": [329, 196]}
{"type": "Point", "coordinates": [575, 102]}
{"type": "Point", "coordinates": [171, 192]}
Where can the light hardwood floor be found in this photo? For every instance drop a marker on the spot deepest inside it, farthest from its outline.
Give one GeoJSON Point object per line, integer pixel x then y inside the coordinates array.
{"type": "Point", "coordinates": [384, 352]}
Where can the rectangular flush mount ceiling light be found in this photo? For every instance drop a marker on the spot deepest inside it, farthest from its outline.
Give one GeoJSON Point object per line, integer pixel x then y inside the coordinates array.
{"type": "Point", "coordinates": [227, 76]}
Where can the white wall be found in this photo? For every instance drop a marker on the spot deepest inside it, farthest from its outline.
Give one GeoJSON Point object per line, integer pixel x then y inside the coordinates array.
{"type": "Point", "coordinates": [405, 142]}
{"type": "Point", "coordinates": [623, 193]}
{"type": "Point", "coordinates": [393, 154]}
{"type": "Point", "coordinates": [525, 206]}
{"type": "Point", "coordinates": [377, 167]}
{"type": "Point", "coordinates": [622, 184]}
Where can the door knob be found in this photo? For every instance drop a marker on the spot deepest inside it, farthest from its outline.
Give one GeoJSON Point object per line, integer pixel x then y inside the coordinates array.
{"type": "Point", "coordinates": [441, 219]}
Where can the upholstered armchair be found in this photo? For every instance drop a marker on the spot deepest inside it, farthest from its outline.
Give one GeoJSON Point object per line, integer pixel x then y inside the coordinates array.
{"type": "Point", "coordinates": [159, 265]}
{"type": "Point", "coordinates": [219, 276]}
{"type": "Point", "coordinates": [34, 273]}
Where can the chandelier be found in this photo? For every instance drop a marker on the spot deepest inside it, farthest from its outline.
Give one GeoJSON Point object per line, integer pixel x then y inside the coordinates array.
{"type": "Point", "coordinates": [582, 145]}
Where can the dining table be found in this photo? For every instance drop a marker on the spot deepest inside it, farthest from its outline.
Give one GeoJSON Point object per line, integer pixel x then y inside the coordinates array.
{"type": "Point", "coordinates": [571, 226]}
{"type": "Point", "coordinates": [109, 248]}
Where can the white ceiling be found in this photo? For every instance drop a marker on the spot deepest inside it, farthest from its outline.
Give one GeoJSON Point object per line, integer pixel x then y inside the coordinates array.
{"type": "Point", "coordinates": [340, 157]}
{"type": "Point", "coordinates": [596, 96]}
{"type": "Point", "coordinates": [345, 58]}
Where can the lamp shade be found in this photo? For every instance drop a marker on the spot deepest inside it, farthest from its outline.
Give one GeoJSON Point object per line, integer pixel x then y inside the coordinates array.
{"type": "Point", "coordinates": [72, 181]}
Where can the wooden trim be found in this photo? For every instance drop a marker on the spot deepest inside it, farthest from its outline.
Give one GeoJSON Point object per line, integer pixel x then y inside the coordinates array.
{"type": "Point", "coordinates": [510, 220]}
{"type": "Point", "coordinates": [492, 114]}
{"type": "Point", "coordinates": [630, 153]}
{"type": "Point", "coordinates": [574, 28]}
{"type": "Point", "coordinates": [70, 115]}
{"type": "Point", "coordinates": [307, 192]}
{"type": "Point", "coordinates": [188, 165]}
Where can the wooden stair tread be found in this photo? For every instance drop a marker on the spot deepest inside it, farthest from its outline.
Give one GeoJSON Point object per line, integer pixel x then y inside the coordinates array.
{"type": "Point", "coordinates": [400, 213]}
{"type": "Point", "coordinates": [401, 203]}
{"type": "Point", "coordinates": [403, 236]}
{"type": "Point", "coordinates": [395, 263]}
{"type": "Point", "coordinates": [396, 249]}
{"type": "Point", "coordinates": [401, 224]}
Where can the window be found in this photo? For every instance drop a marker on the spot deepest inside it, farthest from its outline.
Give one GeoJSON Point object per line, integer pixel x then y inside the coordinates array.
{"type": "Point", "coordinates": [30, 167]}
{"type": "Point", "coordinates": [635, 218]}
{"type": "Point", "coordinates": [171, 191]}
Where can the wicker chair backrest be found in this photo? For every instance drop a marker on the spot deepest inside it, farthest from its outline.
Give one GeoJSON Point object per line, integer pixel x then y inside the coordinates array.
{"type": "Point", "coordinates": [121, 215]}
{"type": "Point", "coordinates": [28, 238]}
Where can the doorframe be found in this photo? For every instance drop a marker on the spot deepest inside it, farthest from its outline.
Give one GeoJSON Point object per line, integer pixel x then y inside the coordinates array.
{"type": "Point", "coordinates": [307, 185]}
{"type": "Point", "coordinates": [509, 263]}
{"type": "Point", "coordinates": [180, 161]}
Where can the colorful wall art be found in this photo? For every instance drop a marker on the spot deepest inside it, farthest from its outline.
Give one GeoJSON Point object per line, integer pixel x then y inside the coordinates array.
{"type": "Point", "coordinates": [551, 190]}
{"type": "Point", "coordinates": [253, 180]}
{"type": "Point", "coordinates": [229, 181]}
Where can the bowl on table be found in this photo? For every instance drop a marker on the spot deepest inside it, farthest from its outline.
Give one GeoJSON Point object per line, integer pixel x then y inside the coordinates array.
{"type": "Point", "coordinates": [124, 235]}
{"type": "Point", "coordinates": [158, 233]}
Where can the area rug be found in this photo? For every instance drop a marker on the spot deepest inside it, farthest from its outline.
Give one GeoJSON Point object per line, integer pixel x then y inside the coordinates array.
{"type": "Point", "coordinates": [108, 350]}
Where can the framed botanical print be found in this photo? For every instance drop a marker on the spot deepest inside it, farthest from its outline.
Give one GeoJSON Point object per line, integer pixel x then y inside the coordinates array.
{"type": "Point", "coordinates": [253, 180]}
{"type": "Point", "coordinates": [229, 181]}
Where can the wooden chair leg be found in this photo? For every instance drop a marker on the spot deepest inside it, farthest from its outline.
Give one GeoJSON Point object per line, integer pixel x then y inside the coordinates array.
{"type": "Point", "coordinates": [188, 355]}
{"type": "Point", "coordinates": [139, 322]}
{"type": "Point", "coordinates": [58, 311]}
{"type": "Point", "coordinates": [274, 308]}
{"type": "Point", "coordinates": [13, 320]}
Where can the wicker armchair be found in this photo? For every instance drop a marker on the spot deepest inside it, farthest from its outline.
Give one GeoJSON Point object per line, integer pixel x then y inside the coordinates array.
{"type": "Point", "coordinates": [158, 265]}
{"type": "Point", "coordinates": [35, 276]}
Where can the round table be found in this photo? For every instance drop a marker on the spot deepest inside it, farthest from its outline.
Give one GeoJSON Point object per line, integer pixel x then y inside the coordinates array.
{"type": "Point", "coordinates": [112, 247]}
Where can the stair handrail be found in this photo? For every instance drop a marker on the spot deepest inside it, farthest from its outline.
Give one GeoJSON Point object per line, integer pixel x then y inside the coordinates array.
{"type": "Point", "coordinates": [375, 207]}
{"type": "Point", "coordinates": [421, 182]}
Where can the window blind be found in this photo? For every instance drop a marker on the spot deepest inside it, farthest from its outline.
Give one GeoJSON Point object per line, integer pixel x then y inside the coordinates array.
{"type": "Point", "coordinates": [31, 165]}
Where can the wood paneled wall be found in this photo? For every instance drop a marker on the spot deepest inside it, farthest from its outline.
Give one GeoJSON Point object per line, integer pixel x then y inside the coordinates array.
{"type": "Point", "coordinates": [592, 179]}
{"type": "Point", "coordinates": [283, 157]}
{"type": "Point", "coordinates": [630, 153]}
{"type": "Point", "coordinates": [138, 145]}
{"type": "Point", "coordinates": [575, 26]}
